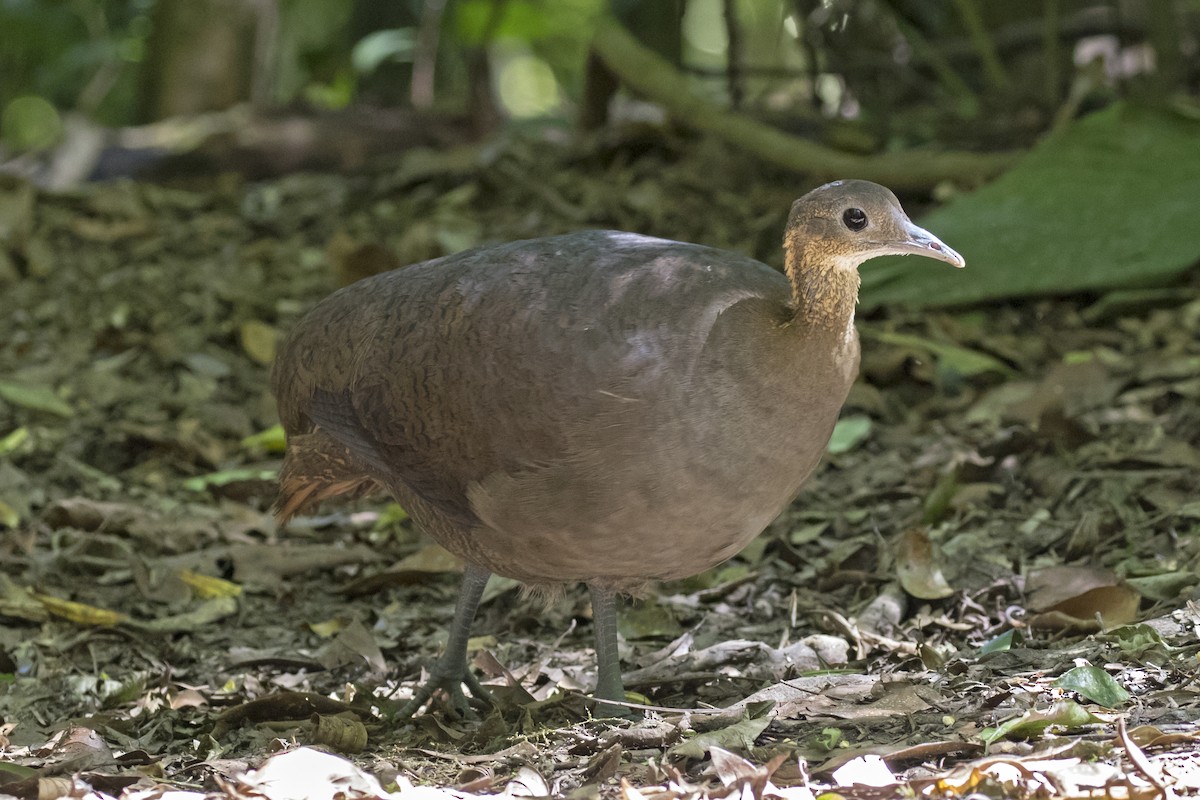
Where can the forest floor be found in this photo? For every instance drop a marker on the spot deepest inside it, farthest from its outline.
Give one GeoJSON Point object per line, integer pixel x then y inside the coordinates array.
{"type": "Point", "coordinates": [989, 587]}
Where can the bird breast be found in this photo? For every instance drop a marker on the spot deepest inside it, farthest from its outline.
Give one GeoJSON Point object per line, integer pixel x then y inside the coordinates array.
{"type": "Point", "coordinates": [668, 481]}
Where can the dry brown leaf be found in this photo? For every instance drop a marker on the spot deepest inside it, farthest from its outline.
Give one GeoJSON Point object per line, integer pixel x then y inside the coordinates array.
{"type": "Point", "coordinates": [1080, 598]}
{"type": "Point", "coordinates": [900, 699]}
{"type": "Point", "coordinates": [353, 645]}
{"type": "Point", "coordinates": [918, 566]}
{"type": "Point", "coordinates": [344, 733]}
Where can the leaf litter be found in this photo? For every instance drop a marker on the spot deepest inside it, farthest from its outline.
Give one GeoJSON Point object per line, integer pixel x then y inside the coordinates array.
{"type": "Point", "coordinates": [989, 587]}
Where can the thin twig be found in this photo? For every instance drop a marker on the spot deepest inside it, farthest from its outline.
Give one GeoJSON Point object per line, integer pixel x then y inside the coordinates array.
{"type": "Point", "coordinates": [1141, 762]}
{"type": "Point", "coordinates": [1052, 51]}
{"type": "Point", "coordinates": [926, 53]}
{"type": "Point", "coordinates": [651, 75]}
{"type": "Point", "coordinates": [993, 69]}
{"type": "Point", "coordinates": [421, 90]}
{"type": "Point", "coordinates": [733, 53]}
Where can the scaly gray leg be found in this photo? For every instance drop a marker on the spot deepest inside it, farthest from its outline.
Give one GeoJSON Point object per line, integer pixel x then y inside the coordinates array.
{"type": "Point", "coordinates": [608, 661]}
{"type": "Point", "coordinates": [450, 672]}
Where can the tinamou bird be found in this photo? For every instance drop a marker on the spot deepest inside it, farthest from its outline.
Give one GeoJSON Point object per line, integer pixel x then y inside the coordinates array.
{"type": "Point", "coordinates": [598, 407]}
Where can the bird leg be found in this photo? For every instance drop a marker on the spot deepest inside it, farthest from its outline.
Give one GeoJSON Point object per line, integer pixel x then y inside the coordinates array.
{"type": "Point", "coordinates": [608, 661]}
{"type": "Point", "coordinates": [450, 672]}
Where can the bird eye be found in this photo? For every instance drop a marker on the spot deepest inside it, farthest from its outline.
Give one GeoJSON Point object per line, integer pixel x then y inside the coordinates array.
{"type": "Point", "coordinates": [855, 219]}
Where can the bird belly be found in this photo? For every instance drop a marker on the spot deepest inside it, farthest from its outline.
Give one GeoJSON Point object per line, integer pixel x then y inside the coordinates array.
{"type": "Point", "coordinates": [681, 499]}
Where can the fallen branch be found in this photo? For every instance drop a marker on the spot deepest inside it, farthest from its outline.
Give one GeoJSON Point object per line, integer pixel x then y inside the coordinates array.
{"type": "Point", "coordinates": [654, 77]}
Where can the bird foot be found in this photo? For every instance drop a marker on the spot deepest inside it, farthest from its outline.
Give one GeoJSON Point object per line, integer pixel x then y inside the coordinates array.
{"type": "Point", "coordinates": [606, 710]}
{"type": "Point", "coordinates": [610, 711]}
{"type": "Point", "coordinates": [451, 682]}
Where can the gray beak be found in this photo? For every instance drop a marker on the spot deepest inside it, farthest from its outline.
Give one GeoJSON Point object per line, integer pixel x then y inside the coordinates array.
{"type": "Point", "coordinates": [923, 243]}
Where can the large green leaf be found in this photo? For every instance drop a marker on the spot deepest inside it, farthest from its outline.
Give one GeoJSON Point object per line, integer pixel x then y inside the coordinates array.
{"type": "Point", "coordinates": [1110, 202]}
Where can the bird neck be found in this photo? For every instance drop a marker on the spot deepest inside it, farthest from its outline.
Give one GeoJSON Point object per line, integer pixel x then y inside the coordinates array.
{"type": "Point", "coordinates": [824, 292]}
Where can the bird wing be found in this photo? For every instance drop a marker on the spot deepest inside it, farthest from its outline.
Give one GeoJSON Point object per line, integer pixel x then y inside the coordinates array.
{"type": "Point", "coordinates": [513, 363]}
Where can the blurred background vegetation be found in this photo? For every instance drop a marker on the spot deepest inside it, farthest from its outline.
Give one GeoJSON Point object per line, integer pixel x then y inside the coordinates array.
{"type": "Point", "coordinates": [861, 76]}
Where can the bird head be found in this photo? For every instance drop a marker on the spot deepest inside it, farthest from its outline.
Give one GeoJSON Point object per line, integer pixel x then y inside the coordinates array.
{"type": "Point", "coordinates": [844, 223]}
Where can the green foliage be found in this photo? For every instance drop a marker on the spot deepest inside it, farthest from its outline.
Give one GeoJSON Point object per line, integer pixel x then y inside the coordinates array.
{"type": "Point", "coordinates": [271, 440]}
{"type": "Point", "coordinates": [518, 19]}
{"type": "Point", "coordinates": [39, 53]}
{"type": "Point", "coordinates": [12, 441]}
{"type": "Point", "coordinates": [1137, 641]}
{"type": "Point", "coordinates": [37, 398]}
{"type": "Point", "coordinates": [375, 48]}
{"type": "Point", "coordinates": [849, 433]}
{"type": "Point", "coordinates": [829, 739]}
{"type": "Point", "coordinates": [1093, 683]}
{"type": "Point", "coordinates": [202, 483]}
{"type": "Point", "coordinates": [537, 50]}
{"type": "Point", "coordinates": [1065, 714]}
{"type": "Point", "coordinates": [1109, 203]}
{"type": "Point", "coordinates": [30, 123]}
{"type": "Point", "coordinates": [83, 54]}
{"type": "Point", "coordinates": [314, 50]}
{"type": "Point", "coordinates": [556, 33]}
{"type": "Point", "coordinates": [951, 357]}
{"type": "Point", "coordinates": [1002, 643]}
